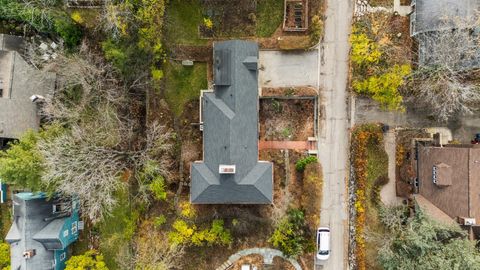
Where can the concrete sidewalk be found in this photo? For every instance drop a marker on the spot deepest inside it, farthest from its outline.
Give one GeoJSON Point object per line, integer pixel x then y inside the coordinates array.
{"type": "Point", "coordinates": [388, 193]}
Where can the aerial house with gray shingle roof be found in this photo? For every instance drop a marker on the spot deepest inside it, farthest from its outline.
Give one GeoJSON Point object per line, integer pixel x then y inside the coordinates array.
{"type": "Point", "coordinates": [41, 231]}
{"type": "Point", "coordinates": [18, 82]}
{"type": "Point", "coordinates": [230, 172]}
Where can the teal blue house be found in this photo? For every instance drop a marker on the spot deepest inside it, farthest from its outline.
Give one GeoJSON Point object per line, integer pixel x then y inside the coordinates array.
{"type": "Point", "coordinates": [42, 231]}
{"type": "Point", "coordinates": [3, 192]}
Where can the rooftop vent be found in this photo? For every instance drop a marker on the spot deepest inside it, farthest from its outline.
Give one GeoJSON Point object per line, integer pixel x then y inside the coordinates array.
{"type": "Point", "coordinates": [226, 169]}
{"type": "Point", "coordinates": [29, 253]}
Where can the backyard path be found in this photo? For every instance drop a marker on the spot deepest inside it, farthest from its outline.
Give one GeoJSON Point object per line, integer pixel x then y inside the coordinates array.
{"type": "Point", "coordinates": [295, 145]}
{"type": "Point", "coordinates": [334, 127]}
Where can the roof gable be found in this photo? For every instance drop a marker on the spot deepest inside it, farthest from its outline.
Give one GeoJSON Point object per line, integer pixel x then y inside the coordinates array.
{"type": "Point", "coordinates": [36, 227]}
{"type": "Point", "coordinates": [457, 191]}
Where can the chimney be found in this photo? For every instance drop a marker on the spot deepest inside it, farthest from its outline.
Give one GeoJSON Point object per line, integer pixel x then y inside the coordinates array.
{"type": "Point", "coordinates": [437, 139]}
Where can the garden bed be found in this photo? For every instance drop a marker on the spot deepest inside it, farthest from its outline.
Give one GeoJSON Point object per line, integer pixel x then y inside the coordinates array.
{"type": "Point", "coordinates": [289, 91]}
{"type": "Point", "coordinates": [286, 119]}
{"type": "Point", "coordinates": [389, 58]}
{"type": "Point", "coordinates": [231, 18]}
{"type": "Point", "coordinates": [405, 160]}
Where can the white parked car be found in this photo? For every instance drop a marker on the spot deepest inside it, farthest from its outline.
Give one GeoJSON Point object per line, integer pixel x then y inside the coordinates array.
{"type": "Point", "coordinates": [323, 243]}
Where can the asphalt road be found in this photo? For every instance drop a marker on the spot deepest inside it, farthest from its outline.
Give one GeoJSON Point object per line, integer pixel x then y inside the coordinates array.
{"type": "Point", "coordinates": [334, 128]}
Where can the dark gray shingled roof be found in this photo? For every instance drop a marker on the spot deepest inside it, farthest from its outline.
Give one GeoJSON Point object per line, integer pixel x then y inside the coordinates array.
{"type": "Point", "coordinates": [430, 21]}
{"type": "Point", "coordinates": [28, 218]}
{"type": "Point", "coordinates": [230, 132]}
{"type": "Point", "coordinates": [36, 227]}
{"type": "Point", "coordinates": [19, 82]}
{"type": "Point", "coordinates": [429, 15]}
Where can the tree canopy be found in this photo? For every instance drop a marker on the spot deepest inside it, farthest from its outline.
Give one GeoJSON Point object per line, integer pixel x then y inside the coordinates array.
{"type": "Point", "coordinates": [380, 66]}
{"type": "Point", "coordinates": [384, 88]}
{"type": "Point", "coordinates": [90, 260]}
{"type": "Point", "coordinates": [420, 243]}
{"type": "Point", "coordinates": [291, 235]}
{"type": "Point", "coordinates": [21, 165]}
{"type": "Point", "coordinates": [4, 256]}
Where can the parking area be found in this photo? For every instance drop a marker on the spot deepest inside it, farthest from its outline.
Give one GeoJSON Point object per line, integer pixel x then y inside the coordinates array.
{"type": "Point", "coordinates": [285, 69]}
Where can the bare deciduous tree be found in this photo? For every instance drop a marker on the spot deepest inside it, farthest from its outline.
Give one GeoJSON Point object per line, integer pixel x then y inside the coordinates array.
{"type": "Point", "coordinates": [448, 60]}
{"type": "Point", "coordinates": [77, 164]}
{"type": "Point", "coordinates": [115, 17]}
{"type": "Point", "coordinates": [100, 145]}
{"type": "Point", "coordinates": [83, 82]}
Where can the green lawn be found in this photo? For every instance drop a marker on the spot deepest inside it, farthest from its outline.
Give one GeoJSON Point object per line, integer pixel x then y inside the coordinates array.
{"type": "Point", "coordinates": [117, 230]}
{"type": "Point", "coordinates": [5, 219]}
{"type": "Point", "coordinates": [182, 20]}
{"type": "Point", "coordinates": [184, 84]}
{"type": "Point", "coordinates": [269, 17]}
{"type": "Point", "coordinates": [377, 166]}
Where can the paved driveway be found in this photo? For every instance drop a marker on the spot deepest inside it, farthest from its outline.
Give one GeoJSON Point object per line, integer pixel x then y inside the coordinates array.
{"type": "Point", "coordinates": [280, 69]}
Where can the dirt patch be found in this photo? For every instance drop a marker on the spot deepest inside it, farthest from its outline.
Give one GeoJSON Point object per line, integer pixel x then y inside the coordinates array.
{"type": "Point", "coordinates": [281, 264]}
{"type": "Point", "coordinates": [252, 260]}
{"type": "Point", "coordinates": [194, 53]}
{"type": "Point", "coordinates": [277, 157]}
{"type": "Point", "coordinates": [192, 147]}
{"type": "Point", "coordinates": [289, 91]}
{"type": "Point", "coordinates": [399, 31]}
{"type": "Point", "coordinates": [286, 120]}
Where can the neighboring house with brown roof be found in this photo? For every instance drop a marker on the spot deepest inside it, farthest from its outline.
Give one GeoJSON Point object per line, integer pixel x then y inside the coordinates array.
{"type": "Point", "coordinates": [449, 177]}
{"type": "Point", "coordinates": [18, 82]}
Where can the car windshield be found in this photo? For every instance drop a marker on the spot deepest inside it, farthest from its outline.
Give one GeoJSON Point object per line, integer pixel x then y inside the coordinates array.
{"type": "Point", "coordinates": [323, 252]}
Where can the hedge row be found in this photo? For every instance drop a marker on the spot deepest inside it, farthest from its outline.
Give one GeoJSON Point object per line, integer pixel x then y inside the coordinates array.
{"type": "Point", "coordinates": [361, 137]}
